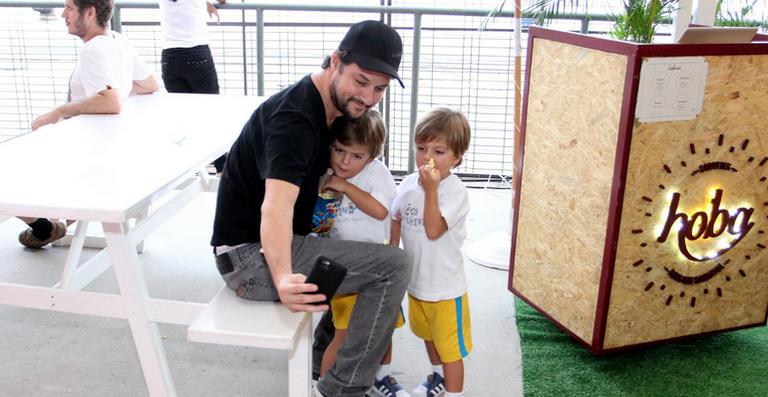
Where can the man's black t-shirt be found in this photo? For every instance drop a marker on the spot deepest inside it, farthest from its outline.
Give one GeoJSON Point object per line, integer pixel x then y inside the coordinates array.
{"type": "Point", "coordinates": [286, 138]}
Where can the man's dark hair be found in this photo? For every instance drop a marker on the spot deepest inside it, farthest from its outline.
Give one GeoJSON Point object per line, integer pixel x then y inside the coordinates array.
{"type": "Point", "coordinates": [103, 9]}
{"type": "Point", "coordinates": [344, 55]}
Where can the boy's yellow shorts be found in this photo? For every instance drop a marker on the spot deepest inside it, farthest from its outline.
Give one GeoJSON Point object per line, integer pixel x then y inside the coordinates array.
{"type": "Point", "coordinates": [446, 323]}
{"type": "Point", "coordinates": [341, 307]}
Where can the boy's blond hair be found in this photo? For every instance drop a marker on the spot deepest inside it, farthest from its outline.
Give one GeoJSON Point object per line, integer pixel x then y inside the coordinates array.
{"type": "Point", "coordinates": [447, 124]}
{"type": "Point", "coordinates": [368, 130]}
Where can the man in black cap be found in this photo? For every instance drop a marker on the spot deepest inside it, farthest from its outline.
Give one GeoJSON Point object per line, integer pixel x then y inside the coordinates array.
{"type": "Point", "coordinates": [267, 195]}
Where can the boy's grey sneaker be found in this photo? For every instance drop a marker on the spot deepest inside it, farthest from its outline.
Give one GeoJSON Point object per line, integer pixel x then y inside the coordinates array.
{"type": "Point", "coordinates": [434, 386]}
{"type": "Point", "coordinates": [387, 387]}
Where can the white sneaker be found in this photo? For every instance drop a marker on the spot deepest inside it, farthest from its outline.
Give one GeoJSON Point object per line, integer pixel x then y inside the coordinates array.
{"type": "Point", "coordinates": [387, 387]}
{"type": "Point", "coordinates": [434, 386]}
{"type": "Point", "coordinates": [419, 391]}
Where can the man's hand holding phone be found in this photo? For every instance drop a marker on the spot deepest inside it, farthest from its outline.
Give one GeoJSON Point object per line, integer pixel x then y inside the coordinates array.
{"type": "Point", "coordinates": [312, 293]}
{"type": "Point", "coordinates": [297, 295]}
{"type": "Point", "coordinates": [327, 275]}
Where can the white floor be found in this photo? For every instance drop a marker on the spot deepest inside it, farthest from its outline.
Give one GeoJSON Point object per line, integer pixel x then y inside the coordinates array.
{"type": "Point", "coordinates": [56, 354]}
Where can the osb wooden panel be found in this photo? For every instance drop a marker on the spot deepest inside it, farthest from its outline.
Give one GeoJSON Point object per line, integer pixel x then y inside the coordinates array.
{"type": "Point", "coordinates": [724, 148]}
{"type": "Point", "coordinates": [573, 118]}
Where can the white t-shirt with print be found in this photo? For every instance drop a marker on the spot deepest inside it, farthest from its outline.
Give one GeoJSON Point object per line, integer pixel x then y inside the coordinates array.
{"type": "Point", "coordinates": [184, 23]}
{"type": "Point", "coordinates": [437, 265]}
{"type": "Point", "coordinates": [354, 224]}
{"type": "Point", "coordinates": [106, 60]}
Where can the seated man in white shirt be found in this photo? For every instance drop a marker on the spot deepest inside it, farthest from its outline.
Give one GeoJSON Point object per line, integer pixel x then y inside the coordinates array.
{"type": "Point", "coordinates": [107, 71]}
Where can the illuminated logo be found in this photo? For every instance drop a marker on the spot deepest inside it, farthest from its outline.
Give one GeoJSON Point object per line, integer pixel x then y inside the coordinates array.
{"type": "Point", "coordinates": [702, 226]}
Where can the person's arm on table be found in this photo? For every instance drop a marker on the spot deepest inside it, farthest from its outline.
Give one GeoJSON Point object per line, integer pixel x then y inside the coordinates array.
{"type": "Point", "coordinates": [106, 101]}
{"type": "Point", "coordinates": [276, 237]}
{"type": "Point", "coordinates": [145, 86]}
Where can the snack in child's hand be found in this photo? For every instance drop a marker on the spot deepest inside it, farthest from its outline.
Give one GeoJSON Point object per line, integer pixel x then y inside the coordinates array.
{"type": "Point", "coordinates": [324, 214]}
{"type": "Point", "coordinates": [431, 166]}
{"type": "Point", "coordinates": [326, 206]}
{"type": "Point", "coordinates": [328, 194]}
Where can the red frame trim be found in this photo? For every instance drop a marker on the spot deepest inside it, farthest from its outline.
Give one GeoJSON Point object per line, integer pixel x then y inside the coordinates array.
{"type": "Point", "coordinates": [582, 40]}
{"type": "Point", "coordinates": [701, 50]}
{"type": "Point", "coordinates": [616, 204]}
{"type": "Point", "coordinates": [600, 351]}
{"type": "Point", "coordinates": [765, 319]}
{"type": "Point", "coordinates": [518, 171]}
{"type": "Point", "coordinates": [677, 339]}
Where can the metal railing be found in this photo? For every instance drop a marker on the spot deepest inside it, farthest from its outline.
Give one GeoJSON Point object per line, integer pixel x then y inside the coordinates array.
{"type": "Point", "coordinates": [260, 48]}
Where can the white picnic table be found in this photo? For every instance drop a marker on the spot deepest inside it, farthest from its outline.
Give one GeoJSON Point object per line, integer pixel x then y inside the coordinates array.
{"type": "Point", "coordinates": [130, 173]}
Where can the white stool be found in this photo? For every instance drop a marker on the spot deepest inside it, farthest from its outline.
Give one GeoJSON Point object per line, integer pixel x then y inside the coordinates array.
{"type": "Point", "coordinates": [231, 320]}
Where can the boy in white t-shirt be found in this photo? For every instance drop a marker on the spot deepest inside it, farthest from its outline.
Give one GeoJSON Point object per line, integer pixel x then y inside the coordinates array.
{"type": "Point", "coordinates": [429, 213]}
{"type": "Point", "coordinates": [362, 215]}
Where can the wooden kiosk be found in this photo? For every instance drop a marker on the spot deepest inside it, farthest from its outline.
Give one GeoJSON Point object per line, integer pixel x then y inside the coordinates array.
{"type": "Point", "coordinates": [636, 222]}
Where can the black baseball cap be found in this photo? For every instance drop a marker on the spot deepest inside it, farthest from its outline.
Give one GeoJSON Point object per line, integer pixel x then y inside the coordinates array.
{"type": "Point", "coordinates": [375, 46]}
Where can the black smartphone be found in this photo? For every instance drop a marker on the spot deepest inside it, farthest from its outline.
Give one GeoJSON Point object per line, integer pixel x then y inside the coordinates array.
{"type": "Point", "coordinates": [327, 275]}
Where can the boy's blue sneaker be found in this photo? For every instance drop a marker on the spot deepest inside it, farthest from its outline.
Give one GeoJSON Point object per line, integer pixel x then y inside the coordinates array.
{"type": "Point", "coordinates": [434, 386]}
{"type": "Point", "coordinates": [387, 387]}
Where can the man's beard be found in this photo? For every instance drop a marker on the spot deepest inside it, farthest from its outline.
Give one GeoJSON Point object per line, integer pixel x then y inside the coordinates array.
{"type": "Point", "coordinates": [78, 29]}
{"type": "Point", "coordinates": [343, 107]}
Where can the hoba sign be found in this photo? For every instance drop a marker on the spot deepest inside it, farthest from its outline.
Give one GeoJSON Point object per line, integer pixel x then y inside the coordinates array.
{"type": "Point", "coordinates": [703, 225]}
{"type": "Point", "coordinates": [704, 212]}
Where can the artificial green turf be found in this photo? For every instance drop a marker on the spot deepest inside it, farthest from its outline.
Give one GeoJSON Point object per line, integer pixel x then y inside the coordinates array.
{"type": "Point", "coordinates": [729, 364]}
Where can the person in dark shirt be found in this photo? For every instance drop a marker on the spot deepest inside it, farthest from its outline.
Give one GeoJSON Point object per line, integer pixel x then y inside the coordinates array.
{"type": "Point", "coordinates": [267, 194]}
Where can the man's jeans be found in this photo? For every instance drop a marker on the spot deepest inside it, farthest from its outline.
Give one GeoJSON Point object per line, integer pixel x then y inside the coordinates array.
{"type": "Point", "coordinates": [378, 273]}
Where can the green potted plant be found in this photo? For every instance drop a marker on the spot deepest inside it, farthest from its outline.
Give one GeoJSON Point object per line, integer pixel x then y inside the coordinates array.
{"type": "Point", "coordinates": [740, 18]}
{"type": "Point", "coordinates": [640, 18]}
{"type": "Point", "coordinates": [636, 22]}
{"type": "Point", "coordinates": [543, 11]}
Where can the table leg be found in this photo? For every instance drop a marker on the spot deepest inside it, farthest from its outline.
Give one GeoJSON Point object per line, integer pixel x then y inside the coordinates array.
{"type": "Point", "coordinates": [133, 288]}
{"type": "Point", "coordinates": [300, 362]}
{"type": "Point", "coordinates": [140, 217]}
{"type": "Point", "coordinates": [73, 256]}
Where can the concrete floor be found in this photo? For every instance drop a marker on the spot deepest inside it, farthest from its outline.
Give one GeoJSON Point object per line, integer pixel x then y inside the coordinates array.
{"type": "Point", "coordinates": [58, 354]}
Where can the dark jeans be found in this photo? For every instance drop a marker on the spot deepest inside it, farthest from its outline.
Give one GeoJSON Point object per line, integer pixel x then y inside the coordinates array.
{"type": "Point", "coordinates": [192, 71]}
{"type": "Point", "coordinates": [377, 273]}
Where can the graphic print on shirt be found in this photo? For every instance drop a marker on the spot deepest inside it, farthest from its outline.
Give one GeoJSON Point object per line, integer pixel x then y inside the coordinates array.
{"type": "Point", "coordinates": [346, 210]}
{"type": "Point", "coordinates": [412, 217]}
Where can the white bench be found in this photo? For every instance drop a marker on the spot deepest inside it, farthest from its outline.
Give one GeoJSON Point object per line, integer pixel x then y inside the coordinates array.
{"type": "Point", "coordinates": [231, 320]}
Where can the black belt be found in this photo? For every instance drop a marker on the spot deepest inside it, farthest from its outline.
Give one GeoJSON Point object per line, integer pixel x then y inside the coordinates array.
{"type": "Point", "coordinates": [224, 264]}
